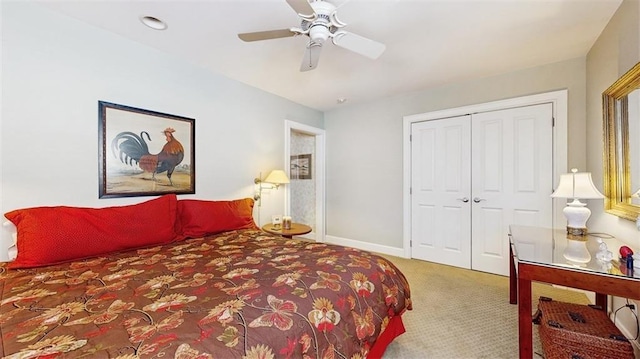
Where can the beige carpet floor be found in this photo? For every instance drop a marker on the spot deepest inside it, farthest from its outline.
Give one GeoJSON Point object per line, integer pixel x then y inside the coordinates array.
{"type": "Point", "coordinates": [459, 313]}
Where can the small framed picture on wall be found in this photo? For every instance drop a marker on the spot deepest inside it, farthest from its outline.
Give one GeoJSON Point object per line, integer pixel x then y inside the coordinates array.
{"type": "Point", "coordinates": [301, 166]}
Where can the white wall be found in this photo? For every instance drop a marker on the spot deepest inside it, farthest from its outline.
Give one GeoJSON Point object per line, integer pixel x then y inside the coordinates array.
{"type": "Point", "coordinates": [55, 70]}
{"type": "Point", "coordinates": [364, 145]}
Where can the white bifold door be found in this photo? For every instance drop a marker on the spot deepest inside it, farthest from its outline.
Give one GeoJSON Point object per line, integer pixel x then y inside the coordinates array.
{"type": "Point", "coordinates": [474, 175]}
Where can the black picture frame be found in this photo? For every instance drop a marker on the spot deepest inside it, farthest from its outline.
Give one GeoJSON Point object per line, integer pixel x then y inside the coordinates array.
{"type": "Point", "coordinates": [133, 141]}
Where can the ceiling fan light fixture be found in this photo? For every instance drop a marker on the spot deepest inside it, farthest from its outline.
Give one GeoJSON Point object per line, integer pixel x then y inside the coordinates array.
{"type": "Point", "coordinates": [319, 33]}
{"type": "Point", "coordinates": [153, 22]}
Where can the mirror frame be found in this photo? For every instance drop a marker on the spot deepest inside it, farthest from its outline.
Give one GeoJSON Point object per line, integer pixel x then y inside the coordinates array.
{"type": "Point", "coordinates": [617, 178]}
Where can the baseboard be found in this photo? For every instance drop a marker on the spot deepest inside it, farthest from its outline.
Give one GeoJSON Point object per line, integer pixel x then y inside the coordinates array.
{"type": "Point", "coordinates": [311, 236]}
{"type": "Point", "coordinates": [372, 247]}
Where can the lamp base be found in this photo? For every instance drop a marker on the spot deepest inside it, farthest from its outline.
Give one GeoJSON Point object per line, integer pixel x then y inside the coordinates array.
{"type": "Point", "coordinates": [577, 215]}
{"type": "Point", "coordinates": [576, 250]}
{"type": "Point", "coordinates": [573, 231]}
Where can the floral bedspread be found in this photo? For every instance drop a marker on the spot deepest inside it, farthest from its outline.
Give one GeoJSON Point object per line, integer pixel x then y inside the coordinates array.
{"type": "Point", "coordinates": [238, 294]}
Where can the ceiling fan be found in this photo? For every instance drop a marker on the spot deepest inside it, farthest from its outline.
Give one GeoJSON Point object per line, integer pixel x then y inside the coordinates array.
{"type": "Point", "coordinates": [319, 22]}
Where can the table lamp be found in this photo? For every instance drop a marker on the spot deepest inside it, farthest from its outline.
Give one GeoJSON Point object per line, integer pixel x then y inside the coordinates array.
{"type": "Point", "coordinates": [576, 185]}
{"type": "Point", "coordinates": [273, 180]}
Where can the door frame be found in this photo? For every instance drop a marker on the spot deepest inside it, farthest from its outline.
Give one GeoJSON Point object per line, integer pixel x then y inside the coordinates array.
{"type": "Point", "coordinates": [559, 100]}
{"type": "Point", "coordinates": [319, 175]}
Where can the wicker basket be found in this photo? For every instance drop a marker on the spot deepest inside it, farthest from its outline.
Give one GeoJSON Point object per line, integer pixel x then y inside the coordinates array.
{"type": "Point", "coordinates": [575, 331]}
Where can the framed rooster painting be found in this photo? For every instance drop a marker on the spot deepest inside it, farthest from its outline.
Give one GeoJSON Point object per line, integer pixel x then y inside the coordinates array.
{"type": "Point", "coordinates": [144, 153]}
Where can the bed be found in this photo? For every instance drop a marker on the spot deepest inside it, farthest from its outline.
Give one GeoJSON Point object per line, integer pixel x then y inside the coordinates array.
{"type": "Point", "coordinates": [207, 284]}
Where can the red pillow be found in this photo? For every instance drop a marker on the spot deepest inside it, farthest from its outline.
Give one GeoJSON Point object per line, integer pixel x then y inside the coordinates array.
{"type": "Point", "coordinates": [201, 218]}
{"type": "Point", "coordinates": [51, 235]}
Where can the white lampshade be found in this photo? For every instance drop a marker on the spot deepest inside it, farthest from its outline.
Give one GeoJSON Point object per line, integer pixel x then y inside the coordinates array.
{"type": "Point", "coordinates": [576, 185]}
{"type": "Point", "coordinates": [277, 177]}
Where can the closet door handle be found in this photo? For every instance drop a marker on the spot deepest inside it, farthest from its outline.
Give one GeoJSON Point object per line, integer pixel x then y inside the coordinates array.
{"type": "Point", "coordinates": [463, 199]}
{"type": "Point", "coordinates": [478, 199]}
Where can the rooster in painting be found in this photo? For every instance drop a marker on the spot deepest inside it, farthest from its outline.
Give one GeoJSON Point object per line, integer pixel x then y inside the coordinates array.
{"type": "Point", "coordinates": [132, 149]}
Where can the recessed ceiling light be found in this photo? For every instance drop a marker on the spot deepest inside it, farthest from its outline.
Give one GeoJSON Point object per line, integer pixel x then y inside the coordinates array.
{"type": "Point", "coordinates": [153, 22]}
{"type": "Point", "coordinates": [341, 100]}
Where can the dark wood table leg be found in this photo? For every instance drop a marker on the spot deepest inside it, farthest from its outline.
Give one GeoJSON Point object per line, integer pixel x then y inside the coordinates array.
{"type": "Point", "coordinates": [513, 278]}
{"type": "Point", "coordinates": [525, 330]}
{"type": "Point", "coordinates": [601, 300]}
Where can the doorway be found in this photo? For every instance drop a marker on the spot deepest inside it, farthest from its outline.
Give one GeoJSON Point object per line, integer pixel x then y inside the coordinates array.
{"type": "Point", "coordinates": [305, 164]}
{"type": "Point", "coordinates": [473, 176]}
{"type": "Point", "coordinates": [414, 235]}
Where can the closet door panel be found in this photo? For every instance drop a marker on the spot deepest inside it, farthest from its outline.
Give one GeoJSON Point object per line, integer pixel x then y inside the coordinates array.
{"type": "Point", "coordinates": [440, 181]}
{"type": "Point", "coordinates": [488, 153]}
{"type": "Point", "coordinates": [491, 220]}
{"type": "Point", "coordinates": [512, 179]}
{"type": "Point", "coordinates": [424, 218]}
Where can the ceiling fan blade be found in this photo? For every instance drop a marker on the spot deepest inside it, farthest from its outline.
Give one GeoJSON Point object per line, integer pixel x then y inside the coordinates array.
{"type": "Point", "coordinates": [359, 44]}
{"type": "Point", "coordinates": [302, 7]}
{"type": "Point", "coordinates": [311, 56]}
{"type": "Point", "coordinates": [265, 35]}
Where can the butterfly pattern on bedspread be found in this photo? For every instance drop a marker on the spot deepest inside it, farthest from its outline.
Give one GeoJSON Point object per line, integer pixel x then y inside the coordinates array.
{"type": "Point", "coordinates": [242, 294]}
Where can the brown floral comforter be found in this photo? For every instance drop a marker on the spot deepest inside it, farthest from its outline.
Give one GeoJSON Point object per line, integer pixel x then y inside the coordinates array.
{"type": "Point", "coordinates": [238, 294]}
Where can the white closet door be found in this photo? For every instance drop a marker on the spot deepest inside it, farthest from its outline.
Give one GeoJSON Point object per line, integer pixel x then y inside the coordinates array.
{"type": "Point", "coordinates": [440, 183]}
{"type": "Point", "coordinates": [512, 179]}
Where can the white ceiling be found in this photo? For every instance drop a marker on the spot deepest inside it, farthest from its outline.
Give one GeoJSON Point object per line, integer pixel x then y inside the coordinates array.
{"type": "Point", "coordinates": [428, 42]}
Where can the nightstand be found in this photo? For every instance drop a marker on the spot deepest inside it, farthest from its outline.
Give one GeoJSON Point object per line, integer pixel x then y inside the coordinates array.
{"type": "Point", "coordinates": [296, 229]}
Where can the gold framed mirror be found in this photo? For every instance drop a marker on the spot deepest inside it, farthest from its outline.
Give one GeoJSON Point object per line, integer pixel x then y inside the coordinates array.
{"type": "Point", "coordinates": [621, 122]}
